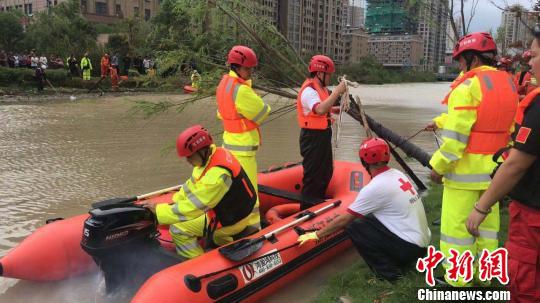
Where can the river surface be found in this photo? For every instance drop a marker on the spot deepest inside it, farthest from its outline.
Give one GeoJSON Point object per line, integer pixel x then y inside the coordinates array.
{"type": "Point", "coordinates": [58, 157]}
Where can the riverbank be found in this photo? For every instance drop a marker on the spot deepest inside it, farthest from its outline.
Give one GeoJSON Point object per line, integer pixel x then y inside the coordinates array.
{"type": "Point", "coordinates": [358, 283]}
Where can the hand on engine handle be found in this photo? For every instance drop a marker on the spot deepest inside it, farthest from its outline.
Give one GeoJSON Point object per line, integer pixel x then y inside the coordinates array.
{"type": "Point", "coordinates": [149, 205]}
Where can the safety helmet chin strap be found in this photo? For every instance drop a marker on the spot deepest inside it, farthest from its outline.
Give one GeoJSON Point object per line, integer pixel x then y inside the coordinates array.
{"type": "Point", "coordinates": [469, 57]}
{"type": "Point", "coordinates": [204, 155]}
{"type": "Point", "coordinates": [366, 166]}
{"type": "Point", "coordinates": [322, 81]}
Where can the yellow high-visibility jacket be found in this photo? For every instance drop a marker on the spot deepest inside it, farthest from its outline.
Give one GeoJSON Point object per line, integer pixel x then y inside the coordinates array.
{"type": "Point", "coordinates": [461, 169]}
{"type": "Point", "coordinates": [251, 106]}
{"type": "Point", "coordinates": [86, 63]}
{"type": "Point", "coordinates": [195, 199]}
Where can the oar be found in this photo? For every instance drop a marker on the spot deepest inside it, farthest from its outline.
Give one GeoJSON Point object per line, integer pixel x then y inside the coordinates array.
{"type": "Point", "coordinates": [115, 201]}
{"type": "Point", "coordinates": [246, 247]}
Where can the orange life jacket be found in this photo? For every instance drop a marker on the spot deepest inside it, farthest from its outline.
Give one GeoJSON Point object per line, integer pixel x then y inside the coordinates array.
{"type": "Point", "coordinates": [226, 92]}
{"type": "Point", "coordinates": [312, 120]}
{"type": "Point", "coordinates": [496, 111]}
{"type": "Point", "coordinates": [105, 61]}
{"type": "Point", "coordinates": [525, 103]}
{"type": "Point", "coordinates": [239, 201]}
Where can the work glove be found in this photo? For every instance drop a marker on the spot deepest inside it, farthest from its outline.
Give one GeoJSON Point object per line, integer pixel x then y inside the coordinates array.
{"type": "Point", "coordinates": [312, 236]}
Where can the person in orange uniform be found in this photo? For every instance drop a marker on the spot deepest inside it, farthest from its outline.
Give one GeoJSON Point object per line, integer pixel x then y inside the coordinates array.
{"type": "Point", "coordinates": [525, 80]}
{"type": "Point", "coordinates": [519, 178]}
{"type": "Point", "coordinates": [242, 111]}
{"type": "Point", "coordinates": [481, 109]}
{"type": "Point", "coordinates": [105, 64]}
{"type": "Point", "coordinates": [114, 78]}
{"type": "Point", "coordinates": [313, 105]}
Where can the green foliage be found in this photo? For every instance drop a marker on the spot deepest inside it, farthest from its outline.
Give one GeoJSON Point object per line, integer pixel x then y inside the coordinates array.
{"type": "Point", "coordinates": [370, 71]}
{"type": "Point", "coordinates": [62, 31]}
{"type": "Point", "coordinates": [25, 77]}
{"type": "Point", "coordinates": [12, 30]}
{"type": "Point", "coordinates": [118, 44]}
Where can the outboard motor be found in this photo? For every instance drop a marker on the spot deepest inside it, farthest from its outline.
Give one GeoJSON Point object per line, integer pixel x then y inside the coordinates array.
{"type": "Point", "coordinates": [122, 240]}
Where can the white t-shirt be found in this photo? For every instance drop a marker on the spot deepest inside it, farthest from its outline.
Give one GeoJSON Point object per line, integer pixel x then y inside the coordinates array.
{"type": "Point", "coordinates": [394, 201]}
{"type": "Point", "coordinates": [309, 98]}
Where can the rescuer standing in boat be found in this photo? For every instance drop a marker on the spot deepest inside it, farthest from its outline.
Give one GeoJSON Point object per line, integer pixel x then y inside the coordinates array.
{"type": "Point", "coordinates": [242, 112]}
{"type": "Point", "coordinates": [218, 192]}
{"type": "Point", "coordinates": [481, 109]}
{"type": "Point", "coordinates": [391, 232]}
{"type": "Point", "coordinates": [313, 106]}
{"type": "Point", "coordinates": [519, 177]}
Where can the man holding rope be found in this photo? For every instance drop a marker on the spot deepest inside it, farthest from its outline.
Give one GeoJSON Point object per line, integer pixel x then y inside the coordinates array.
{"type": "Point", "coordinates": [481, 109]}
{"type": "Point", "coordinates": [313, 104]}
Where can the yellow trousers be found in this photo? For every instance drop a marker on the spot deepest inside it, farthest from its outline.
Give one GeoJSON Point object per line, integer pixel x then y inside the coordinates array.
{"type": "Point", "coordinates": [86, 74]}
{"type": "Point", "coordinates": [249, 164]}
{"type": "Point", "coordinates": [457, 204]}
{"type": "Point", "coordinates": [186, 235]}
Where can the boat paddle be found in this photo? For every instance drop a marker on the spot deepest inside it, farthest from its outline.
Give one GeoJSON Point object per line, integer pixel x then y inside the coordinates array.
{"type": "Point", "coordinates": [115, 201]}
{"type": "Point", "coordinates": [244, 248]}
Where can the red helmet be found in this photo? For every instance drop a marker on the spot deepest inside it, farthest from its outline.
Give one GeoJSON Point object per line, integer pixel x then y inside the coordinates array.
{"type": "Point", "coordinates": [243, 56]}
{"type": "Point", "coordinates": [526, 55]}
{"type": "Point", "coordinates": [192, 140]}
{"type": "Point", "coordinates": [480, 42]}
{"type": "Point", "coordinates": [374, 150]}
{"type": "Point", "coordinates": [505, 61]}
{"type": "Point", "coordinates": [320, 63]}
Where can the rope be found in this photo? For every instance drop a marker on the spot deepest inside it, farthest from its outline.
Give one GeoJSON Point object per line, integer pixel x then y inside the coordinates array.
{"type": "Point", "coordinates": [436, 139]}
{"type": "Point", "coordinates": [409, 138]}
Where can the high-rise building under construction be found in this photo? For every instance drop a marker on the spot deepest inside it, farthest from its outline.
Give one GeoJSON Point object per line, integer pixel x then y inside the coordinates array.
{"type": "Point", "coordinates": [426, 19]}
{"type": "Point", "coordinates": [391, 17]}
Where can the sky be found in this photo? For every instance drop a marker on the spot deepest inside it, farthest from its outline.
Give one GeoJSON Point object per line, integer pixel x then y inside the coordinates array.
{"type": "Point", "coordinates": [487, 16]}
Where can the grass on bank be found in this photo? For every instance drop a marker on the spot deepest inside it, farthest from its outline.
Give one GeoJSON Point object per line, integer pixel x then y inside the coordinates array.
{"type": "Point", "coordinates": [359, 283]}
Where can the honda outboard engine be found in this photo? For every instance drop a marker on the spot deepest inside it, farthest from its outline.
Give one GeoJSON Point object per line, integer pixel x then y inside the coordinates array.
{"type": "Point", "coordinates": [122, 240]}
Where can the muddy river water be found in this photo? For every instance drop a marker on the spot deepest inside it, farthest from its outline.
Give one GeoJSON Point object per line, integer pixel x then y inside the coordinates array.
{"type": "Point", "coordinates": [57, 157]}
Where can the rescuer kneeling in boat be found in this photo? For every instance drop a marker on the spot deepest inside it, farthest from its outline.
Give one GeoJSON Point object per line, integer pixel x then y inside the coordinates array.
{"type": "Point", "coordinates": [216, 202]}
{"type": "Point", "coordinates": [313, 106]}
{"type": "Point", "coordinates": [481, 109]}
{"type": "Point", "coordinates": [391, 231]}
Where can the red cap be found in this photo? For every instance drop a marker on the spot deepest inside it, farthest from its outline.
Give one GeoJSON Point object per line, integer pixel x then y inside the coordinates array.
{"type": "Point", "coordinates": [480, 42]}
{"type": "Point", "coordinates": [192, 140]}
{"type": "Point", "coordinates": [374, 150]}
{"type": "Point", "coordinates": [320, 63]}
{"type": "Point", "coordinates": [243, 56]}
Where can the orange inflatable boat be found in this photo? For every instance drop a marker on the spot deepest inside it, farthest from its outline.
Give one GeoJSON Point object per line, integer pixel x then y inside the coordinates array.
{"type": "Point", "coordinates": [188, 89]}
{"type": "Point", "coordinates": [132, 250]}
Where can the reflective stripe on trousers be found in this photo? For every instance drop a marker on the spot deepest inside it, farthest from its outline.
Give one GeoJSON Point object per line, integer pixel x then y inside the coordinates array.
{"type": "Point", "coordinates": [185, 235]}
{"type": "Point", "coordinates": [457, 204]}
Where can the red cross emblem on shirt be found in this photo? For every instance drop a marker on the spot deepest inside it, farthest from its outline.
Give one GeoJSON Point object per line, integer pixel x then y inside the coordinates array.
{"type": "Point", "coordinates": [407, 186]}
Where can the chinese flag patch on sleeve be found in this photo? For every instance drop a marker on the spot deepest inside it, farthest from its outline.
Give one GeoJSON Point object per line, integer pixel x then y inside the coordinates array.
{"type": "Point", "coordinates": [523, 134]}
